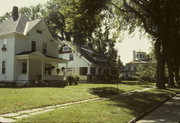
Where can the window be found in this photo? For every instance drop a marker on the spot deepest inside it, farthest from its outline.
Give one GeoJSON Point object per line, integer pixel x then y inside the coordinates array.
{"type": "Point", "coordinates": [140, 56]}
{"type": "Point", "coordinates": [33, 46]}
{"type": "Point", "coordinates": [93, 70]}
{"type": "Point", "coordinates": [44, 48]}
{"type": "Point", "coordinates": [71, 57]}
{"type": "Point", "coordinates": [106, 71]}
{"type": "Point", "coordinates": [24, 67]}
{"type": "Point", "coordinates": [4, 45]}
{"type": "Point", "coordinates": [3, 67]}
{"type": "Point", "coordinates": [99, 70]}
{"type": "Point", "coordinates": [66, 49]}
{"type": "Point", "coordinates": [83, 70]}
{"type": "Point", "coordinates": [39, 31]}
{"type": "Point", "coordinates": [48, 69]}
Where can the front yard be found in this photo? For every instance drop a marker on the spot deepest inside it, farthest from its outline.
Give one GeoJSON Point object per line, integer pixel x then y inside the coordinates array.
{"type": "Point", "coordinates": [16, 99]}
{"type": "Point", "coordinates": [123, 109]}
{"type": "Point", "coordinates": [112, 111]}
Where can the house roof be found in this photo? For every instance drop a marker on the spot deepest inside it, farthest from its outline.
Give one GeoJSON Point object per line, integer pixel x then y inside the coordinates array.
{"type": "Point", "coordinates": [31, 24]}
{"type": "Point", "coordinates": [9, 25]}
{"type": "Point", "coordinates": [25, 52]}
{"type": "Point", "coordinates": [38, 53]}
{"type": "Point", "coordinates": [86, 53]}
{"type": "Point", "coordinates": [140, 62]}
{"type": "Point", "coordinates": [22, 25]}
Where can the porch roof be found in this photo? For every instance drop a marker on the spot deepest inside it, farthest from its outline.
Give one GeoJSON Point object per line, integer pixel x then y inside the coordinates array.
{"type": "Point", "coordinates": [39, 56]}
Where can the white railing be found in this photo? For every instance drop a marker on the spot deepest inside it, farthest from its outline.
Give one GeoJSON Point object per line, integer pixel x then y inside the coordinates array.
{"type": "Point", "coordinates": [53, 77]}
{"type": "Point", "coordinates": [22, 77]}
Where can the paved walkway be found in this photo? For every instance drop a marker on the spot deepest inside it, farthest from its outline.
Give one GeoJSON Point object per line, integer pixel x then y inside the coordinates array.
{"type": "Point", "coordinates": [169, 112]}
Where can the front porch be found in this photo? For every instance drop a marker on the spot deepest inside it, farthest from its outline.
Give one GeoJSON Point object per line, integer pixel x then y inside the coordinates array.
{"type": "Point", "coordinates": [36, 66]}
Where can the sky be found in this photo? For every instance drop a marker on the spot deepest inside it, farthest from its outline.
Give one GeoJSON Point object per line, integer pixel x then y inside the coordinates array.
{"type": "Point", "coordinates": [132, 42]}
{"type": "Point", "coordinates": [125, 47]}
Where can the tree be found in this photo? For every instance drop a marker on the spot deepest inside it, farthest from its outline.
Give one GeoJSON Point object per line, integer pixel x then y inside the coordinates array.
{"type": "Point", "coordinates": [80, 21]}
{"type": "Point", "coordinates": [159, 18]}
{"type": "Point", "coordinates": [5, 16]}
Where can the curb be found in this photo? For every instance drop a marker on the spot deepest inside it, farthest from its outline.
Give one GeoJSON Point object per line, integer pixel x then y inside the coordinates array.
{"type": "Point", "coordinates": [148, 111]}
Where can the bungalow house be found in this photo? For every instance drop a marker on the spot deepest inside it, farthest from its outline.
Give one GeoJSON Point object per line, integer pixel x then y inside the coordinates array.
{"type": "Point", "coordinates": [85, 62]}
{"type": "Point", "coordinates": [27, 51]}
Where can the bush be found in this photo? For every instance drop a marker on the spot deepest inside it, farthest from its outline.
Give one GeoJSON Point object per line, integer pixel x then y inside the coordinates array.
{"type": "Point", "coordinates": [73, 79]}
{"type": "Point", "coordinates": [47, 83]}
{"type": "Point", "coordinates": [76, 79]}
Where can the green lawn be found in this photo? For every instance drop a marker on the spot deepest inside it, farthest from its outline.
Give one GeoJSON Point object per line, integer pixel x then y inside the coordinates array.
{"type": "Point", "coordinates": [113, 111]}
{"type": "Point", "coordinates": [16, 99]}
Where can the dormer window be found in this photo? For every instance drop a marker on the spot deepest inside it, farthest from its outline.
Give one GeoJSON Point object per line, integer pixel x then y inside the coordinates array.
{"type": "Point", "coordinates": [39, 31]}
{"type": "Point", "coordinates": [66, 49]}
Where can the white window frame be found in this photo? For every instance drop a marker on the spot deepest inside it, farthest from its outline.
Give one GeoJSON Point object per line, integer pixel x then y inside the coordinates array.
{"type": "Point", "coordinates": [25, 68]}
{"type": "Point", "coordinates": [71, 55]}
{"type": "Point", "coordinates": [3, 66]}
{"type": "Point", "coordinates": [4, 43]}
{"type": "Point", "coordinates": [66, 50]}
{"type": "Point", "coordinates": [44, 49]}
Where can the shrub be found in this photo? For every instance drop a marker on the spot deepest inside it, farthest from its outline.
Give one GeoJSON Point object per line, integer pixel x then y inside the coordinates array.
{"type": "Point", "coordinates": [73, 79]}
{"type": "Point", "coordinates": [76, 78]}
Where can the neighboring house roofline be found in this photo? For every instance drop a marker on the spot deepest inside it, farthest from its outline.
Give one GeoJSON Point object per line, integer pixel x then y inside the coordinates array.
{"type": "Point", "coordinates": [81, 52]}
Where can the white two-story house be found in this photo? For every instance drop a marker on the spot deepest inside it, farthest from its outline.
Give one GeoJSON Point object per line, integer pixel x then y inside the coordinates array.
{"type": "Point", "coordinates": [140, 60]}
{"type": "Point", "coordinates": [27, 51]}
{"type": "Point", "coordinates": [84, 62]}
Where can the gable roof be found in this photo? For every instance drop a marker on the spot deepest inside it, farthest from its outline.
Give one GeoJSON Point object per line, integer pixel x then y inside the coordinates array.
{"type": "Point", "coordinates": [22, 25]}
{"type": "Point", "coordinates": [30, 25]}
{"type": "Point", "coordinates": [87, 53]}
{"type": "Point", "coordinates": [37, 53]}
{"type": "Point", "coordinates": [9, 26]}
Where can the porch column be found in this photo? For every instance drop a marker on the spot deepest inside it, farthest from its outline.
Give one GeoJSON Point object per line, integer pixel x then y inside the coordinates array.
{"type": "Point", "coordinates": [89, 71]}
{"type": "Point", "coordinates": [27, 69]}
{"type": "Point", "coordinates": [42, 74]}
{"type": "Point", "coordinates": [65, 72]}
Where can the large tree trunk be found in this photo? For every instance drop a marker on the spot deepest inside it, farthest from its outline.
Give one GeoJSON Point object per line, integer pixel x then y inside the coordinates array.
{"type": "Point", "coordinates": [160, 70]}
{"type": "Point", "coordinates": [177, 72]}
{"type": "Point", "coordinates": [170, 71]}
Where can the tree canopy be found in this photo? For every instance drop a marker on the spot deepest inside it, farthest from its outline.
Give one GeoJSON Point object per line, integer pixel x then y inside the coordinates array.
{"type": "Point", "coordinates": [93, 21]}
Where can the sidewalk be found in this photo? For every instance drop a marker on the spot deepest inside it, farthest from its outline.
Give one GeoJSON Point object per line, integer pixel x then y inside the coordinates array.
{"type": "Point", "coordinates": [169, 112]}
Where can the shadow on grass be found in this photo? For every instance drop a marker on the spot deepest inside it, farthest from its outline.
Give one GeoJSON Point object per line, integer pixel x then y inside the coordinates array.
{"type": "Point", "coordinates": [106, 91]}
{"type": "Point", "coordinates": [135, 83]}
{"type": "Point", "coordinates": [134, 103]}
{"type": "Point", "coordinates": [22, 87]}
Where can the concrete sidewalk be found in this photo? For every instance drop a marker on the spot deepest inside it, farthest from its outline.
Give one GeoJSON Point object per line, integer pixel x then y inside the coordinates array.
{"type": "Point", "coordinates": [169, 112]}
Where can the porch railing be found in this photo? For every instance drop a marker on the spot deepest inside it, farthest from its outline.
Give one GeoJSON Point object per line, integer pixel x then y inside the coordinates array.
{"type": "Point", "coordinates": [53, 77]}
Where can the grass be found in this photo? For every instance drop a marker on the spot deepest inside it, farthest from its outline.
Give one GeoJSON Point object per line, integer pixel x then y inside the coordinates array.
{"type": "Point", "coordinates": [112, 111]}
{"type": "Point", "coordinates": [16, 99]}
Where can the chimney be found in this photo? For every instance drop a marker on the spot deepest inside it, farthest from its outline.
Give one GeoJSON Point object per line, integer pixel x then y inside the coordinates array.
{"type": "Point", "coordinates": [134, 55]}
{"type": "Point", "coordinates": [15, 14]}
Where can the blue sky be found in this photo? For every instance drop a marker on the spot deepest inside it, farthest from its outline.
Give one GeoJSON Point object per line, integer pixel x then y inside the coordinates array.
{"type": "Point", "coordinates": [125, 48]}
